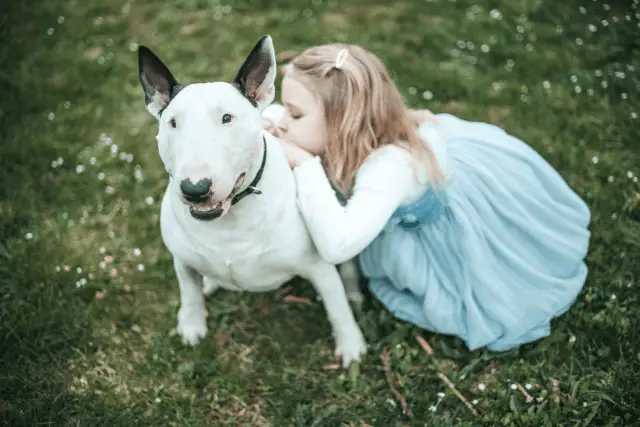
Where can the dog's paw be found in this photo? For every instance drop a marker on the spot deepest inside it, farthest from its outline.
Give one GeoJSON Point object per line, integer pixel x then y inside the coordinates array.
{"type": "Point", "coordinates": [350, 345]}
{"type": "Point", "coordinates": [192, 325]}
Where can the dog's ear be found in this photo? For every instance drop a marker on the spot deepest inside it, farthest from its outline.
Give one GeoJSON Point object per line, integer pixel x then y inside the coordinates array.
{"type": "Point", "coordinates": [256, 78]}
{"type": "Point", "coordinates": [157, 81]}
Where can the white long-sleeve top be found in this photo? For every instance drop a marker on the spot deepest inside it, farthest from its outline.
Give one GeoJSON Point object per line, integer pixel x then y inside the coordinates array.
{"type": "Point", "coordinates": [385, 180]}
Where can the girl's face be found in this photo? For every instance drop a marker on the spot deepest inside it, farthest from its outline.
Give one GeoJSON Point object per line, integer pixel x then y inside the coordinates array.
{"type": "Point", "coordinates": [303, 123]}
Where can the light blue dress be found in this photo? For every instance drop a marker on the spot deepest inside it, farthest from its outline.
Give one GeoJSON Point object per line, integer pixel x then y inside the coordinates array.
{"type": "Point", "coordinates": [491, 257]}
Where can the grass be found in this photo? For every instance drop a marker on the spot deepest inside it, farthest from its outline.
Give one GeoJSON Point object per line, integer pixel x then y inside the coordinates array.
{"type": "Point", "coordinates": [88, 298]}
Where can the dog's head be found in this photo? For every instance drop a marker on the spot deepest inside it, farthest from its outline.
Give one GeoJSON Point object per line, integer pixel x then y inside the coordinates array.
{"type": "Point", "coordinates": [210, 134]}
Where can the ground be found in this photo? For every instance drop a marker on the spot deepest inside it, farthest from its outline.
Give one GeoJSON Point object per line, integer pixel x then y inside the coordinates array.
{"type": "Point", "coordinates": [88, 298]}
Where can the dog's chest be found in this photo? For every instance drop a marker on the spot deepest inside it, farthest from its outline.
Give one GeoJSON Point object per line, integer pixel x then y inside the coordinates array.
{"type": "Point", "coordinates": [255, 257]}
{"type": "Point", "coordinates": [239, 265]}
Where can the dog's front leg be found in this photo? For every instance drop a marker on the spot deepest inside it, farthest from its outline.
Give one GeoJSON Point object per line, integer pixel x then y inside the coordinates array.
{"type": "Point", "coordinates": [192, 316]}
{"type": "Point", "coordinates": [350, 343]}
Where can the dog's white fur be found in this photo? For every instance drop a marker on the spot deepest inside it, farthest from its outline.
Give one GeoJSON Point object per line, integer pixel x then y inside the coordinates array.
{"type": "Point", "coordinates": [259, 243]}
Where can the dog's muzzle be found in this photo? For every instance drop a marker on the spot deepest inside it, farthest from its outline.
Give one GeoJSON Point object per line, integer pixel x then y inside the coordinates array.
{"type": "Point", "coordinates": [201, 203]}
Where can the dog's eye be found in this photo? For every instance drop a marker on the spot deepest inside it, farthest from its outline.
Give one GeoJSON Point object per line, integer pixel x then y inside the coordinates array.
{"type": "Point", "coordinates": [172, 122]}
{"type": "Point", "coordinates": [226, 118]}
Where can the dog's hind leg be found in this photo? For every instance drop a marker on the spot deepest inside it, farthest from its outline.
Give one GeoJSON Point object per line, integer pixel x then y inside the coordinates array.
{"type": "Point", "coordinates": [351, 279]}
{"type": "Point", "coordinates": [209, 285]}
{"type": "Point", "coordinates": [192, 316]}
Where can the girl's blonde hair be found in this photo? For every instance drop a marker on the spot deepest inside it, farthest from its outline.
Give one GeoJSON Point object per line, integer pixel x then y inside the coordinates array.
{"type": "Point", "coordinates": [363, 109]}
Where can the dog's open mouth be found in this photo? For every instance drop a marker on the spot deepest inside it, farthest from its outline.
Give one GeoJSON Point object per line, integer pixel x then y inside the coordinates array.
{"type": "Point", "coordinates": [215, 209]}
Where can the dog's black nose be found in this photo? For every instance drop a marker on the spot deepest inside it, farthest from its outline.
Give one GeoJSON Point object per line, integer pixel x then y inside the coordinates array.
{"type": "Point", "coordinates": [196, 193]}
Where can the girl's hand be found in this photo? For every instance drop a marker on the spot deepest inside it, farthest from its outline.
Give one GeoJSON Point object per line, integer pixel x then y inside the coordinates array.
{"type": "Point", "coordinates": [295, 155]}
{"type": "Point", "coordinates": [268, 125]}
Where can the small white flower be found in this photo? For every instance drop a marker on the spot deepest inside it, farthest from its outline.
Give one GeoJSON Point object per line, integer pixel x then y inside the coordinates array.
{"type": "Point", "coordinates": [79, 270]}
{"type": "Point", "coordinates": [140, 267]}
{"type": "Point", "coordinates": [103, 265]}
{"type": "Point", "coordinates": [441, 395]}
{"type": "Point", "coordinates": [629, 174]}
{"type": "Point", "coordinates": [58, 268]}
{"type": "Point", "coordinates": [474, 401]}
{"type": "Point", "coordinates": [100, 176]}
{"type": "Point", "coordinates": [613, 296]}
{"type": "Point", "coordinates": [427, 94]}
{"type": "Point", "coordinates": [527, 386]}
{"type": "Point", "coordinates": [481, 387]}
{"type": "Point", "coordinates": [109, 189]}
{"type": "Point", "coordinates": [572, 339]}
{"type": "Point", "coordinates": [610, 179]}
{"type": "Point", "coordinates": [137, 252]}
{"type": "Point", "coordinates": [546, 84]}
{"type": "Point", "coordinates": [513, 386]}
{"type": "Point", "coordinates": [102, 249]}
{"type": "Point", "coordinates": [594, 159]}
{"type": "Point", "coordinates": [28, 236]}
{"type": "Point", "coordinates": [79, 169]}
{"type": "Point", "coordinates": [432, 408]}
{"type": "Point", "coordinates": [148, 200]}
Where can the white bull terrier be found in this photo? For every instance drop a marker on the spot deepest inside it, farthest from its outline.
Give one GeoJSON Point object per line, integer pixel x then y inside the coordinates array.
{"type": "Point", "coordinates": [229, 215]}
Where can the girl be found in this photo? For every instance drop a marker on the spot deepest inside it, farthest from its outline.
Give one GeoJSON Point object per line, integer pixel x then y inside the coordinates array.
{"type": "Point", "coordinates": [460, 228]}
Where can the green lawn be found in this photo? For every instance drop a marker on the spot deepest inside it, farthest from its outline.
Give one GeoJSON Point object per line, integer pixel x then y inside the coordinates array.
{"type": "Point", "coordinates": [88, 297]}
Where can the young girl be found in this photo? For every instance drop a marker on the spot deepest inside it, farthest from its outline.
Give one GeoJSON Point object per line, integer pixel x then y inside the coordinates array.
{"type": "Point", "coordinates": [460, 228]}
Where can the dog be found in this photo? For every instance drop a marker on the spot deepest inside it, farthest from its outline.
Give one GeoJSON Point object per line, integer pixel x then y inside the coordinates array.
{"type": "Point", "coordinates": [229, 214]}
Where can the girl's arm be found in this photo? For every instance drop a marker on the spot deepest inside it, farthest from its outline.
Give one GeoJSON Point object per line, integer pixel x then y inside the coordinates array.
{"type": "Point", "coordinates": [341, 232]}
